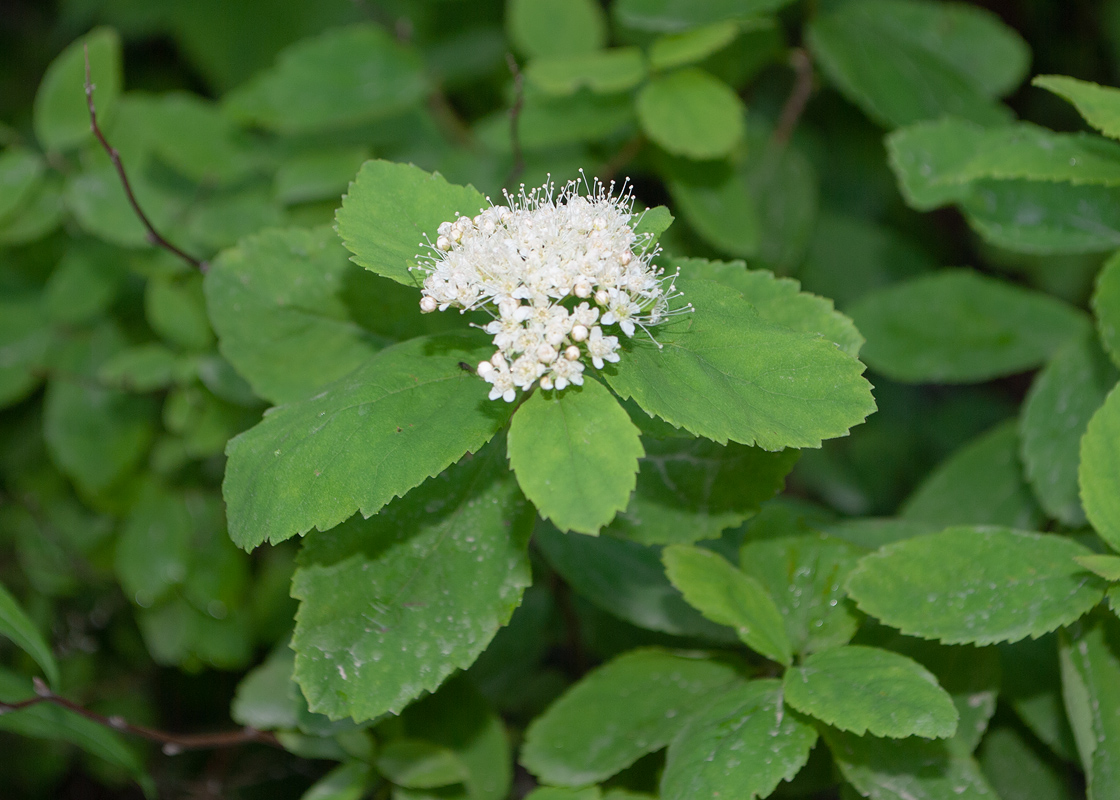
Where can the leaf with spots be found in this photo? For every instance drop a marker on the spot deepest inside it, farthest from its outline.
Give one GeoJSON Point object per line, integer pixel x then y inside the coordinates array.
{"type": "Point", "coordinates": [392, 605]}
{"type": "Point", "coordinates": [976, 584]}
{"type": "Point", "coordinates": [403, 416]}
{"type": "Point", "coordinates": [617, 713]}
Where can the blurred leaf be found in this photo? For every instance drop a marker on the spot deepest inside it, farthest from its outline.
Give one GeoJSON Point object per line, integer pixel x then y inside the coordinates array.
{"type": "Point", "coordinates": [957, 326]}
{"type": "Point", "coordinates": [976, 585]}
{"type": "Point", "coordinates": [393, 605]}
{"type": "Point", "coordinates": [542, 28]}
{"type": "Point", "coordinates": [195, 138]}
{"type": "Point", "coordinates": [317, 175]}
{"type": "Point", "coordinates": [176, 309]}
{"type": "Point", "coordinates": [416, 764]}
{"type": "Point", "coordinates": [1015, 769]}
{"type": "Point", "coordinates": [742, 745]}
{"type": "Point", "coordinates": [1106, 307]}
{"type": "Point", "coordinates": [1099, 473]}
{"type": "Point", "coordinates": [61, 116]}
{"type": "Point", "coordinates": [1055, 414]}
{"type": "Point", "coordinates": [692, 114]}
{"type": "Point", "coordinates": [20, 172]}
{"type": "Point", "coordinates": [1032, 687]}
{"type": "Point", "coordinates": [605, 71]}
{"type": "Point", "coordinates": [1099, 105]}
{"type": "Point", "coordinates": [680, 49]}
{"type": "Point", "coordinates": [342, 77]}
{"type": "Point", "coordinates": [617, 713]}
{"type": "Point", "coordinates": [922, 155]}
{"type": "Point", "coordinates": [85, 283]}
{"type": "Point", "coordinates": [153, 552]}
{"type": "Point", "coordinates": [1090, 659]}
{"type": "Point", "coordinates": [16, 626]}
{"type": "Point", "coordinates": [143, 368]}
{"type": "Point", "coordinates": [1108, 567]}
{"type": "Point", "coordinates": [674, 16]}
{"type": "Point", "coordinates": [39, 215]}
{"type": "Point", "coordinates": [25, 339]}
{"type": "Point", "coordinates": [726, 596]}
{"type": "Point", "coordinates": [348, 781]}
{"type": "Point", "coordinates": [865, 689]}
{"type": "Point", "coordinates": [721, 208]}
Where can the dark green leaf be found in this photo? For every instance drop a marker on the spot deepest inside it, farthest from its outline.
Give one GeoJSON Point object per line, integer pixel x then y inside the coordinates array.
{"type": "Point", "coordinates": [154, 549]}
{"type": "Point", "coordinates": [1099, 105]}
{"type": "Point", "coordinates": [143, 368]}
{"type": "Point", "coordinates": [976, 584]}
{"type": "Point", "coordinates": [957, 326]}
{"type": "Point", "coordinates": [1099, 473]}
{"type": "Point", "coordinates": [672, 16]}
{"type": "Point", "coordinates": [38, 215]}
{"type": "Point", "coordinates": [20, 172]}
{"type": "Point", "coordinates": [617, 713]}
{"type": "Point", "coordinates": [691, 113]}
{"type": "Point", "coordinates": [404, 416]}
{"type": "Point", "coordinates": [1032, 687]}
{"type": "Point", "coordinates": [341, 77]}
{"type": "Point", "coordinates": [1055, 414]}
{"type": "Point", "coordinates": [389, 211]}
{"type": "Point", "coordinates": [1015, 769]}
{"type": "Point", "coordinates": [721, 370]}
{"type": "Point", "coordinates": [556, 27]}
{"type": "Point", "coordinates": [575, 454]}
{"type": "Point", "coordinates": [61, 113]}
{"type": "Point", "coordinates": [416, 764]}
{"type": "Point", "coordinates": [1090, 659]}
{"type": "Point", "coordinates": [726, 596]}
{"type": "Point", "coordinates": [25, 338]}
{"type": "Point", "coordinates": [1106, 307]}
{"type": "Point", "coordinates": [348, 781]}
{"type": "Point", "coordinates": [318, 175]}
{"type": "Point", "coordinates": [865, 689]}
{"type": "Point", "coordinates": [16, 626]}
{"type": "Point", "coordinates": [176, 310]}
{"type": "Point", "coordinates": [721, 209]}
{"type": "Point", "coordinates": [742, 745]}
{"type": "Point", "coordinates": [392, 605]}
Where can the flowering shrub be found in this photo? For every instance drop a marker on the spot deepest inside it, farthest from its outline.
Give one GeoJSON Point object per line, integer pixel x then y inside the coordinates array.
{"type": "Point", "coordinates": [726, 480]}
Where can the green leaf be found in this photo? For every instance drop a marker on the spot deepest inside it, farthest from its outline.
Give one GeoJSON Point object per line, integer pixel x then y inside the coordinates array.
{"type": "Point", "coordinates": [905, 769]}
{"type": "Point", "coordinates": [902, 62]}
{"type": "Point", "coordinates": [1099, 105]}
{"type": "Point", "coordinates": [1090, 659]}
{"type": "Point", "coordinates": [16, 626]}
{"type": "Point", "coordinates": [957, 326]}
{"type": "Point", "coordinates": [981, 483]}
{"type": "Point", "coordinates": [348, 781]}
{"type": "Point", "coordinates": [626, 579]}
{"type": "Point", "coordinates": [25, 339]}
{"type": "Point", "coordinates": [633, 705]}
{"type": "Point", "coordinates": [404, 416]}
{"type": "Point", "coordinates": [976, 584]}
{"type": "Point", "coordinates": [691, 113]}
{"type": "Point", "coordinates": [741, 745]}
{"type": "Point", "coordinates": [84, 284]}
{"type": "Point", "coordinates": [61, 116]}
{"type": "Point", "coordinates": [673, 16]}
{"type": "Point", "coordinates": [804, 573]}
{"type": "Point", "coordinates": [39, 214]}
{"type": "Point", "coordinates": [605, 71]}
{"type": "Point", "coordinates": [556, 27]}
{"type": "Point", "coordinates": [417, 764]}
{"type": "Point", "coordinates": [20, 172]}
{"type": "Point", "coordinates": [1032, 687]}
{"type": "Point", "coordinates": [392, 605]}
{"type": "Point", "coordinates": [549, 121]}
{"type": "Point", "coordinates": [143, 368]}
{"type": "Point", "coordinates": [153, 552]}
{"type": "Point", "coordinates": [654, 221]}
{"type": "Point", "coordinates": [779, 300]}
{"type": "Point", "coordinates": [719, 205]}
{"type": "Point", "coordinates": [865, 689]}
{"type": "Point", "coordinates": [1108, 567]}
{"type": "Point", "coordinates": [728, 597]}
{"type": "Point", "coordinates": [1099, 473]}
{"type": "Point", "coordinates": [681, 49]}
{"type": "Point", "coordinates": [724, 373]}
{"type": "Point", "coordinates": [176, 309]}
{"type": "Point", "coordinates": [1106, 306]}
{"type": "Point", "coordinates": [692, 489]}
{"type": "Point", "coordinates": [317, 175]}
{"type": "Point", "coordinates": [575, 454]}
{"type": "Point", "coordinates": [342, 77]}
{"type": "Point", "coordinates": [921, 155]}
{"type": "Point", "coordinates": [564, 793]}
{"type": "Point", "coordinates": [281, 302]}
{"type": "Point", "coordinates": [1055, 414]}
{"type": "Point", "coordinates": [1015, 769]}
{"type": "Point", "coordinates": [267, 698]}
{"type": "Point", "coordinates": [194, 137]}
{"type": "Point", "coordinates": [389, 211]}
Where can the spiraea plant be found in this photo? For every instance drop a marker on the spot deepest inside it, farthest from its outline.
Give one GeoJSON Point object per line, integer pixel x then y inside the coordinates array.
{"type": "Point", "coordinates": [560, 399]}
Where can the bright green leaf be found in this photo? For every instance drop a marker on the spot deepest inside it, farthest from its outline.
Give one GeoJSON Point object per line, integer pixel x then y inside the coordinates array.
{"type": "Point", "coordinates": [865, 689]}
{"type": "Point", "coordinates": [575, 454]}
{"type": "Point", "coordinates": [957, 326]}
{"type": "Point", "coordinates": [654, 221]}
{"type": "Point", "coordinates": [680, 49]}
{"type": "Point", "coordinates": [692, 114]}
{"type": "Point", "coordinates": [1055, 414]}
{"type": "Point", "coordinates": [1099, 473]}
{"type": "Point", "coordinates": [605, 71]}
{"type": "Point", "coordinates": [1090, 659]}
{"type": "Point", "coordinates": [617, 713]}
{"type": "Point", "coordinates": [728, 597]}
{"type": "Point", "coordinates": [1099, 105]}
{"type": "Point", "coordinates": [976, 585]}
{"type": "Point", "coordinates": [342, 77]}
{"type": "Point", "coordinates": [1108, 567]}
{"type": "Point", "coordinates": [982, 483]}
{"type": "Point", "coordinates": [742, 745]}
{"type": "Point", "coordinates": [404, 416]}
{"type": "Point", "coordinates": [556, 27]}
{"type": "Point", "coordinates": [389, 211]}
{"type": "Point", "coordinates": [416, 764]}
{"type": "Point", "coordinates": [392, 605]}
{"type": "Point", "coordinates": [16, 626]}
{"type": "Point", "coordinates": [921, 155]}
{"type": "Point", "coordinates": [1106, 307]}
{"type": "Point", "coordinates": [61, 115]}
{"type": "Point", "coordinates": [724, 373]}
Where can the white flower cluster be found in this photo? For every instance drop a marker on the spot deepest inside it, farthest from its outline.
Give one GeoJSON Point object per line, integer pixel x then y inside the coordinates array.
{"type": "Point", "coordinates": [552, 269]}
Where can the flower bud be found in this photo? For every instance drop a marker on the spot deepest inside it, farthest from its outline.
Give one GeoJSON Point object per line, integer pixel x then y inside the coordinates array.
{"type": "Point", "coordinates": [579, 333]}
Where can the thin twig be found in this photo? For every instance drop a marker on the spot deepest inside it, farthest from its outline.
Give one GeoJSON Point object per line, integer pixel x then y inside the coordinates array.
{"type": "Point", "coordinates": [798, 96]}
{"type": "Point", "coordinates": [153, 235]}
{"type": "Point", "coordinates": [515, 119]}
{"type": "Point", "coordinates": [172, 743]}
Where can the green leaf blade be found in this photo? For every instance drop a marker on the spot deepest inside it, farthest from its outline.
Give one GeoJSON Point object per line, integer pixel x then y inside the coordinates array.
{"type": "Point", "coordinates": [18, 627]}
{"type": "Point", "coordinates": [1099, 472]}
{"type": "Point", "coordinates": [61, 113]}
{"type": "Point", "coordinates": [1099, 105]}
{"type": "Point", "coordinates": [692, 114]}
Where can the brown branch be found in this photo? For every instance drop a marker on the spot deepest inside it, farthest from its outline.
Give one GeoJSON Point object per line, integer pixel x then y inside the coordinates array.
{"type": "Point", "coordinates": [153, 235]}
{"type": "Point", "coordinates": [515, 119]}
{"type": "Point", "coordinates": [798, 96]}
{"type": "Point", "coordinates": [172, 743]}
